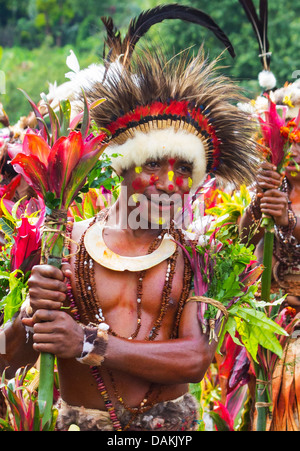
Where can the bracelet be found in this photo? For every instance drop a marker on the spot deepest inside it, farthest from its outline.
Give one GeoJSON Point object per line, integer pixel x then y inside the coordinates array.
{"type": "Point", "coordinates": [94, 344]}
{"type": "Point", "coordinates": [285, 232]}
{"type": "Point", "coordinates": [254, 209]}
{"type": "Point", "coordinates": [26, 312]}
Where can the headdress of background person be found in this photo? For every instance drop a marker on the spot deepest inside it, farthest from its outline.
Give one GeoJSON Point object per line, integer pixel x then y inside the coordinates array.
{"type": "Point", "coordinates": [157, 107]}
{"type": "Point", "coordinates": [288, 95]}
{"type": "Point", "coordinates": [266, 78]}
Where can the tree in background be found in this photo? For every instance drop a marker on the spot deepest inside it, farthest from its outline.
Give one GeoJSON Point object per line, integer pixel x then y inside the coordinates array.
{"type": "Point", "coordinates": [37, 35]}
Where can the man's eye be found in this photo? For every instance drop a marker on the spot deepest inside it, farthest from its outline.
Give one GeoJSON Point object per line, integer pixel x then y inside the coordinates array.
{"type": "Point", "coordinates": [152, 164]}
{"type": "Point", "coordinates": [185, 169]}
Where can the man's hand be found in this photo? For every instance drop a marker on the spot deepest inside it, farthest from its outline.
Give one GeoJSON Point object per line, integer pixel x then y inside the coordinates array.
{"type": "Point", "coordinates": [55, 331]}
{"type": "Point", "coordinates": [47, 288]}
{"type": "Point", "coordinates": [268, 178]}
{"type": "Point", "coordinates": [273, 202]}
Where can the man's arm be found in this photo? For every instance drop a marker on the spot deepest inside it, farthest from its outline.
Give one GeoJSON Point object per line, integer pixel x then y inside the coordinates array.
{"type": "Point", "coordinates": [16, 349]}
{"type": "Point", "coordinates": [182, 360]}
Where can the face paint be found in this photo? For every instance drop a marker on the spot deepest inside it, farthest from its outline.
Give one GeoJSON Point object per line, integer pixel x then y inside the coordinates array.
{"type": "Point", "coordinates": [179, 181]}
{"type": "Point", "coordinates": [135, 198]}
{"type": "Point", "coordinates": [137, 184]}
{"type": "Point", "coordinates": [190, 182]}
{"type": "Point", "coordinates": [160, 221]}
{"type": "Point", "coordinates": [138, 169]}
{"type": "Point", "coordinates": [171, 175]}
{"type": "Point", "coordinates": [170, 187]}
{"type": "Point", "coordinates": [171, 161]}
{"type": "Point", "coordinates": [153, 179]}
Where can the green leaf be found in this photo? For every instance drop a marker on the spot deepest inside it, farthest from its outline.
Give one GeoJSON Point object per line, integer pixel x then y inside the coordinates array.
{"type": "Point", "coordinates": [230, 327]}
{"type": "Point", "coordinates": [37, 114]}
{"type": "Point", "coordinates": [85, 126]}
{"type": "Point", "coordinates": [7, 227]}
{"type": "Point", "coordinates": [65, 116]}
{"type": "Point", "coordinates": [15, 208]}
{"type": "Point", "coordinates": [257, 329]}
{"type": "Point", "coordinates": [257, 318]}
{"type": "Point", "coordinates": [249, 341]}
{"type": "Point", "coordinates": [16, 296]}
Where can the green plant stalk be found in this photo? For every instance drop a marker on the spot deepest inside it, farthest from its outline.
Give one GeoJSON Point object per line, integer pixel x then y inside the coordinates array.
{"type": "Point", "coordinates": [267, 263]}
{"type": "Point", "coordinates": [262, 393]}
{"type": "Point", "coordinates": [262, 396]}
{"type": "Point", "coordinates": [46, 383]}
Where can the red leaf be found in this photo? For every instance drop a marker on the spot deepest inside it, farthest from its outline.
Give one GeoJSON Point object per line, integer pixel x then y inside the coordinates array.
{"type": "Point", "coordinates": [91, 153]}
{"type": "Point", "coordinates": [9, 190]}
{"type": "Point", "coordinates": [63, 158]}
{"type": "Point", "coordinates": [224, 414]}
{"type": "Point", "coordinates": [35, 145]}
{"type": "Point", "coordinates": [33, 170]}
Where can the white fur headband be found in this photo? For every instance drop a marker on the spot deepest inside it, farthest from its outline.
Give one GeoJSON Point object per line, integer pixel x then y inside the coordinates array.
{"type": "Point", "coordinates": [159, 144]}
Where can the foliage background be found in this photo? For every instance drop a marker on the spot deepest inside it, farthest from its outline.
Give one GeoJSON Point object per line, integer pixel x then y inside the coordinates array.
{"type": "Point", "coordinates": [36, 37]}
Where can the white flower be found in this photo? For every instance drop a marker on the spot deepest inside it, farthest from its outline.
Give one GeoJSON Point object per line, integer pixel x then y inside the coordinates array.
{"type": "Point", "coordinates": [198, 229]}
{"type": "Point", "coordinates": [73, 64]}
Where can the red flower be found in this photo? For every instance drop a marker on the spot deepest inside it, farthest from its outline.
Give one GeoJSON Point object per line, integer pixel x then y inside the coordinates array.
{"type": "Point", "coordinates": [61, 170]}
{"type": "Point", "coordinates": [27, 243]}
{"type": "Point", "coordinates": [272, 133]}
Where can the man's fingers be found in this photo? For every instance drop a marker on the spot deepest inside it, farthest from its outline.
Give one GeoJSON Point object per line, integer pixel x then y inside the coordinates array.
{"type": "Point", "coordinates": [47, 295]}
{"type": "Point", "coordinates": [66, 270]}
{"type": "Point", "coordinates": [28, 322]}
{"type": "Point", "coordinates": [46, 284]}
{"type": "Point", "coordinates": [44, 316]}
{"type": "Point", "coordinates": [44, 347]}
{"type": "Point", "coordinates": [48, 271]}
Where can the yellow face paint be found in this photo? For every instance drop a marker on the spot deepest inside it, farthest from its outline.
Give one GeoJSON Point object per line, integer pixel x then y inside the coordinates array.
{"type": "Point", "coordinates": [135, 198]}
{"type": "Point", "coordinates": [190, 182]}
{"type": "Point", "coordinates": [160, 221]}
{"type": "Point", "coordinates": [138, 169]}
{"type": "Point", "coordinates": [171, 175]}
{"type": "Point", "coordinates": [294, 174]}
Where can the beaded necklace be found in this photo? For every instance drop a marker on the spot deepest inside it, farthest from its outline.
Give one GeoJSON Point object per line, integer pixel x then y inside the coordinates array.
{"type": "Point", "coordinates": [91, 309]}
{"type": "Point", "coordinates": [287, 248]}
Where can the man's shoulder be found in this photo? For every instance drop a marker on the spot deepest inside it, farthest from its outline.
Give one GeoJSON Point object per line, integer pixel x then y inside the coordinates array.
{"type": "Point", "coordinates": [80, 227]}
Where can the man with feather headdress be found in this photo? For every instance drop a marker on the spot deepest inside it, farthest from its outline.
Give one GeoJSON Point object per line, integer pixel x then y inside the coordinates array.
{"type": "Point", "coordinates": [276, 196]}
{"type": "Point", "coordinates": [131, 344]}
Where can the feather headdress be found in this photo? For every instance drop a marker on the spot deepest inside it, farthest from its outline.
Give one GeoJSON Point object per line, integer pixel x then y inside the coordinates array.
{"type": "Point", "coordinates": [156, 108]}
{"type": "Point", "coordinates": [259, 23]}
{"type": "Point", "coordinates": [141, 24]}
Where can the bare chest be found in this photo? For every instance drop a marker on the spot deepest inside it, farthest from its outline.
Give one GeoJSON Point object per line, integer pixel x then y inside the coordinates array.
{"type": "Point", "coordinates": [295, 199]}
{"type": "Point", "coordinates": [133, 304]}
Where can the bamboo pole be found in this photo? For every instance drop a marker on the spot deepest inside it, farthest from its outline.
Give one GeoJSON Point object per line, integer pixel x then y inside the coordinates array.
{"type": "Point", "coordinates": [53, 239]}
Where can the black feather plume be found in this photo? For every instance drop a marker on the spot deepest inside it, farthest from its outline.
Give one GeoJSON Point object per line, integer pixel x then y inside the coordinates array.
{"type": "Point", "coordinates": [113, 37]}
{"type": "Point", "coordinates": [140, 25]}
{"type": "Point", "coordinates": [260, 27]}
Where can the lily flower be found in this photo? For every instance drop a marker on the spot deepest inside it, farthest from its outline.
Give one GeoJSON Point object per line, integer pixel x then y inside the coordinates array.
{"type": "Point", "coordinates": [24, 253]}
{"type": "Point", "coordinates": [60, 170]}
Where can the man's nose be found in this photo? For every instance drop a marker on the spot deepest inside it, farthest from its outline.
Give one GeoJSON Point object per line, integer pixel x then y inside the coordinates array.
{"type": "Point", "coordinates": [166, 181]}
